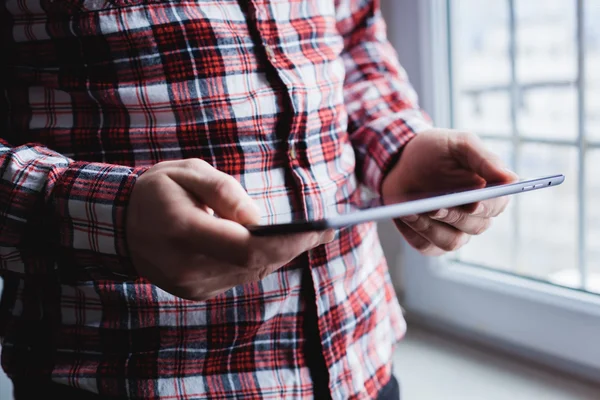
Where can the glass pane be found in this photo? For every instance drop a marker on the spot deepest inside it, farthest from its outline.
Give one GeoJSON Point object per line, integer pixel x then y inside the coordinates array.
{"type": "Point", "coordinates": [481, 66]}
{"type": "Point", "coordinates": [537, 236]}
{"type": "Point", "coordinates": [484, 112]}
{"type": "Point", "coordinates": [593, 221]}
{"type": "Point", "coordinates": [547, 68]}
{"type": "Point", "coordinates": [494, 248]}
{"type": "Point", "coordinates": [548, 218]}
{"type": "Point", "coordinates": [549, 112]}
{"type": "Point", "coordinates": [592, 16]}
{"type": "Point", "coordinates": [546, 41]}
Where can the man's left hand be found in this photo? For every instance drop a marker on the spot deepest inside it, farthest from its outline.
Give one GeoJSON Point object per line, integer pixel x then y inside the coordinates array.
{"type": "Point", "coordinates": [438, 161]}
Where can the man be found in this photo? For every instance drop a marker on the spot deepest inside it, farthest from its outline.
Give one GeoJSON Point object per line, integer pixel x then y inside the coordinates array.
{"type": "Point", "coordinates": [128, 123]}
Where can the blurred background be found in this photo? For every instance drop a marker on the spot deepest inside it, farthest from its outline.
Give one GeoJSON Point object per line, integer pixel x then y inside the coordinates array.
{"type": "Point", "coordinates": [515, 80]}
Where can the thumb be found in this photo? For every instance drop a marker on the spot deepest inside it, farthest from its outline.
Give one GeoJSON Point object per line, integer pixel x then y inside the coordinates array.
{"type": "Point", "coordinates": [218, 191]}
{"type": "Point", "coordinates": [470, 152]}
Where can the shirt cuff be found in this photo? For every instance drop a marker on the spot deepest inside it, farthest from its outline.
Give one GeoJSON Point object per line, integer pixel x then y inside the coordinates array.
{"type": "Point", "coordinates": [389, 136]}
{"type": "Point", "coordinates": [90, 202]}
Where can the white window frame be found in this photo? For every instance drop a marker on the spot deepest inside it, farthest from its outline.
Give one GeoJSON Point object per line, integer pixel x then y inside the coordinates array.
{"type": "Point", "coordinates": [554, 326]}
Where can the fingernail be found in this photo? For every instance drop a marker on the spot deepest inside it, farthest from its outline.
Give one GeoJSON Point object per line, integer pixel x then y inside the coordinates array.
{"type": "Point", "coordinates": [411, 218]}
{"type": "Point", "coordinates": [466, 239]}
{"type": "Point", "coordinates": [479, 210]}
{"type": "Point", "coordinates": [248, 213]}
{"type": "Point", "coordinates": [510, 172]}
{"type": "Point", "coordinates": [328, 236]}
{"type": "Point", "coordinates": [210, 211]}
{"type": "Point", "coordinates": [442, 213]}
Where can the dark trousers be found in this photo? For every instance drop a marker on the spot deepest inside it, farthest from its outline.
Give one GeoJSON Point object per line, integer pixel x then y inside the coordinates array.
{"type": "Point", "coordinates": [391, 391]}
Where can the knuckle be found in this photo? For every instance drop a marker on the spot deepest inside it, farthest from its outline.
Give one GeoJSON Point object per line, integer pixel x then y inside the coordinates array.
{"type": "Point", "coordinates": [422, 225]}
{"type": "Point", "coordinates": [468, 137]}
{"type": "Point", "coordinates": [503, 206]}
{"type": "Point", "coordinates": [263, 272]}
{"type": "Point", "coordinates": [194, 163]}
{"type": "Point", "coordinates": [454, 217]}
{"type": "Point", "coordinates": [224, 185]}
{"type": "Point", "coordinates": [422, 245]}
{"type": "Point", "coordinates": [483, 227]}
{"type": "Point", "coordinates": [160, 166]}
{"type": "Point", "coordinates": [453, 243]}
{"type": "Point", "coordinates": [259, 273]}
{"type": "Point", "coordinates": [463, 139]}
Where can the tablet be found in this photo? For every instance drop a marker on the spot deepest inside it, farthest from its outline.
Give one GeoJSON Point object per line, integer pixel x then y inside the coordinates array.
{"type": "Point", "coordinates": [368, 210]}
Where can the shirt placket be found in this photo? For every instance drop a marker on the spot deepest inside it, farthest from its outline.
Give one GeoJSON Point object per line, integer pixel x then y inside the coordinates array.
{"type": "Point", "coordinates": [266, 23]}
{"type": "Point", "coordinates": [266, 20]}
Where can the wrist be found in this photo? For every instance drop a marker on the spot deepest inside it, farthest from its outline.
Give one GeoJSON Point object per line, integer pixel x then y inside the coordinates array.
{"type": "Point", "coordinates": [395, 177]}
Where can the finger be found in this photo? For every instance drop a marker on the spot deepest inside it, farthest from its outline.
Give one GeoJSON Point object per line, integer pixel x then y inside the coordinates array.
{"type": "Point", "coordinates": [250, 273]}
{"type": "Point", "coordinates": [417, 241]}
{"type": "Point", "coordinates": [491, 208]}
{"type": "Point", "coordinates": [219, 191]}
{"type": "Point", "coordinates": [464, 222]}
{"type": "Point", "coordinates": [485, 209]}
{"type": "Point", "coordinates": [230, 242]}
{"type": "Point", "coordinates": [469, 150]}
{"type": "Point", "coordinates": [441, 235]}
{"type": "Point", "coordinates": [279, 250]}
{"type": "Point", "coordinates": [207, 210]}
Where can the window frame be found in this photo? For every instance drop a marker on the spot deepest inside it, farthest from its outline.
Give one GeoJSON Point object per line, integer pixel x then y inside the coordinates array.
{"type": "Point", "coordinates": [554, 326]}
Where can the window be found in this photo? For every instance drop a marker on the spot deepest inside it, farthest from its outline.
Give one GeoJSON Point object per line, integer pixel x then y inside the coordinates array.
{"type": "Point", "coordinates": [524, 75]}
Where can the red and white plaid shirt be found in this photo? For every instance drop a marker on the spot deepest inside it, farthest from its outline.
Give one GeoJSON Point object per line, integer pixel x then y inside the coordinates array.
{"type": "Point", "coordinates": [302, 101]}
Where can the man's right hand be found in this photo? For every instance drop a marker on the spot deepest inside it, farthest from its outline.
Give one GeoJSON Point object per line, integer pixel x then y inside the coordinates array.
{"type": "Point", "coordinates": [177, 244]}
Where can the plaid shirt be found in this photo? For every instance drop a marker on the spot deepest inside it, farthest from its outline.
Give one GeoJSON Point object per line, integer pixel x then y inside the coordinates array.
{"type": "Point", "coordinates": [302, 101]}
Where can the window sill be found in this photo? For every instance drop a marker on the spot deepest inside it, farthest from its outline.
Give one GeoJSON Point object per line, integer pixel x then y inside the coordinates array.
{"type": "Point", "coordinates": [430, 365]}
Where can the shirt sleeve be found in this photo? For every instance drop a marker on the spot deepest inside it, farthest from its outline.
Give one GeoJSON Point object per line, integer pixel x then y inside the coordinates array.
{"type": "Point", "coordinates": [52, 203]}
{"type": "Point", "coordinates": [382, 106]}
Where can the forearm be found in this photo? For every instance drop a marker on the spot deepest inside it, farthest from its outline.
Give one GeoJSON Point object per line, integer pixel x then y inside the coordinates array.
{"type": "Point", "coordinates": [382, 106]}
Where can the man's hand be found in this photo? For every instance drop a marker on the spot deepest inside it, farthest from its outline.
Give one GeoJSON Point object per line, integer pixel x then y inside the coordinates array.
{"type": "Point", "coordinates": [438, 161]}
{"type": "Point", "coordinates": [177, 244]}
